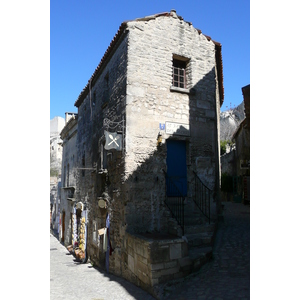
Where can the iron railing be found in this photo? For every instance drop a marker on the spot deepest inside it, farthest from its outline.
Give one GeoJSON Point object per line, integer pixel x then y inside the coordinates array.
{"type": "Point", "coordinates": [202, 196]}
{"type": "Point", "coordinates": [175, 201]}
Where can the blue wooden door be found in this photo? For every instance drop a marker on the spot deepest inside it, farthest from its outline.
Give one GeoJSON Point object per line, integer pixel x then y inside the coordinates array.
{"type": "Point", "coordinates": [176, 168]}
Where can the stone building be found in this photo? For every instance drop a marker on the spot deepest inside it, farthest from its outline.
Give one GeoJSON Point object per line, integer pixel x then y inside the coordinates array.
{"type": "Point", "coordinates": [242, 142]}
{"type": "Point", "coordinates": [55, 197]}
{"type": "Point", "coordinates": [56, 125]}
{"type": "Point", "coordinates": [69, 163]}
{"type": "Point", "coordinates": [236, 163]}
{"type": "Point", "coordinates": [53, 202]}
{"type": "Point", "coordinates": [148, 131]}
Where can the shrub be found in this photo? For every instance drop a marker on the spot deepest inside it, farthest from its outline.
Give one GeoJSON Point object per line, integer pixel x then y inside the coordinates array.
{"type": "Point", "coordinates": [223, 145]}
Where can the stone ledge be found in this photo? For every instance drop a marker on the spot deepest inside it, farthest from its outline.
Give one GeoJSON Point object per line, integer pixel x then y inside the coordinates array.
{"type": "Point", "coordinates": [191, 91]}
{"type": "Point", "coordinates": [163, 257]}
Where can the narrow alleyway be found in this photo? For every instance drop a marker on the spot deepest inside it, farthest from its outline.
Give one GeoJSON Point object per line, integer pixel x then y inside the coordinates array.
{"type": "Point", "coordinates": [70, 280]}
{"type": "Point", "coordinates": [227, 275]}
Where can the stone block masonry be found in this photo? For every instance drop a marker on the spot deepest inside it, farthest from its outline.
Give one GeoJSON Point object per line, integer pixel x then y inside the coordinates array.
{"type": "Point", "coordinates": [133, 82]}
{"type": "Point", "coordinates": [151, 49]}
{"type": "Point", "coordinates": [154, 259]}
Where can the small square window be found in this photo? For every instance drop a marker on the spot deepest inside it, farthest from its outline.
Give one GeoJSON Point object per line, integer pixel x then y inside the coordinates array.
{"type": "Point", "coordinates": [180, 72]}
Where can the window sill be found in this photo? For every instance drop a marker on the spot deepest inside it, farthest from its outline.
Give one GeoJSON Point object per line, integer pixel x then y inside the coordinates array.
{"type": "Point", "coordinates": [68, 187]}
{"type": "Point", "coordinates": [182, 90]}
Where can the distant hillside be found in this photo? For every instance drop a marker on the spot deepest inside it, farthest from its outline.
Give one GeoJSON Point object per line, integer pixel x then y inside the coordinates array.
{"type": "Point", "coordinates": [230, 120]}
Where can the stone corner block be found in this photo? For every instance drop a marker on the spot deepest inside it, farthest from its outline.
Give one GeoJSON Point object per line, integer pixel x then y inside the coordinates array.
{"type": "Point", "coordinates": [175, 251]}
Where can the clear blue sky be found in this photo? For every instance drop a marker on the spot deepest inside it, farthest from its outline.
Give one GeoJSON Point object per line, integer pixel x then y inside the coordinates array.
{"type": "Point", "coordinates": [81, 31]}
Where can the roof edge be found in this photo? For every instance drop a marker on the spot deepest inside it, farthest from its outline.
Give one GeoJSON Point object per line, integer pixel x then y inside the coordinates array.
{"type": "Point", "coordinates": [68, 126]}
{"type": "Point", "coordinates": [108, 51]}
{"type": "Point", "coordinates": [118, 36]}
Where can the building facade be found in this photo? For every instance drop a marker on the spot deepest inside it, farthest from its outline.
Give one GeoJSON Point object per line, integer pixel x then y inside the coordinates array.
{"type": "Point", "coordinates": [56, 125]}
{"type": "Point", "coordinates": [69, 172]}
{"type": "Point", "coordinates": [242, 142]}
{"type": "Point", "coordinates": [148, 125]}
{"type": "Point", "coordinates": [236, 163]}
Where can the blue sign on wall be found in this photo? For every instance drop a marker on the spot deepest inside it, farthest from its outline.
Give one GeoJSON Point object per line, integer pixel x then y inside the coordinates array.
{"type": "Point", "coordinates": [162, 126]}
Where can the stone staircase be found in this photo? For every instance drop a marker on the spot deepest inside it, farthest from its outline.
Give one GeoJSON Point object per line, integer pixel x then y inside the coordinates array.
{"type": "Point", "coordinates": [199, 235]}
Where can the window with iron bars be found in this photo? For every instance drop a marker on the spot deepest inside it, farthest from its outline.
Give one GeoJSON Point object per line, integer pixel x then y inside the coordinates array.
{"type": "Point", "coordinates": [179, 73]}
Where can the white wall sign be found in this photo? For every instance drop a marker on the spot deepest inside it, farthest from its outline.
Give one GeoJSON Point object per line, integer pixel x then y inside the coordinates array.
{"type": "Point", "coordinates": [177, 128]}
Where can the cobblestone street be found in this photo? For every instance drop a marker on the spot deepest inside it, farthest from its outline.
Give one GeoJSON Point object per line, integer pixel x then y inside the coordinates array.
{"type": "Point", "coordinates": [227, 275]}
{"type": "Point", "coordinates": [70, 280]}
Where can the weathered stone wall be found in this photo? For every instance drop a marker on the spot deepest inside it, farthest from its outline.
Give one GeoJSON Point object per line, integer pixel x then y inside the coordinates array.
{"type": "Point", "coordinates": [228, 162]}
{"type": "Point", "coordinates": [135, 83]}
{"type": "Point", "coordinates": [69, 155]}
{"type": "Point", "coordinates": [151, 101]}
{"type": "Point", "coordinates": [56, 125]}
{"type": "Point", "coordinates": [105, 100]}
{"type": "Point", "coordinates": [242, 142]}
{"type": "Point", "coordinates": [149, 261]}
{"type": "Point", "coordinates": [69, 173]}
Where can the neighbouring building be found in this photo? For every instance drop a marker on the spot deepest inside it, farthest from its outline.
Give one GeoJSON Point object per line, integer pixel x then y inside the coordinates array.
{"type": "Point", "coordinates": [69, 163]}
{"type": "Point", "coordinates": [55, 196]}
{"type": "Point", "coordinates": [236, 163]}
{"type": "Point", "coordinates": [56, 125]}
{"type": "Point", "coordinates": [242, 142]}
{"type": "Point", "coordinates": [148, 150]}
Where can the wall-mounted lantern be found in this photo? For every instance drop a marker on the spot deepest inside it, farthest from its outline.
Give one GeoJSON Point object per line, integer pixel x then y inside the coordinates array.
{"type": "Point", "coordinates": [159, 139]}
{"type": "Point", "coordinates": [101, 203]}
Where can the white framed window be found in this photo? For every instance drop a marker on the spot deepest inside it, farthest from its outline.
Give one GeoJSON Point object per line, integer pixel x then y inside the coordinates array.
{"type": "Point", "coordinates": [181, 70]}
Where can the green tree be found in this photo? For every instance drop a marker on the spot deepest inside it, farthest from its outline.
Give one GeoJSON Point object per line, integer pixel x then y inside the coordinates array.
{"type": "Point", "coordinates": [223, 145]}
{"type": "Point", "coordinates": [54, 172]}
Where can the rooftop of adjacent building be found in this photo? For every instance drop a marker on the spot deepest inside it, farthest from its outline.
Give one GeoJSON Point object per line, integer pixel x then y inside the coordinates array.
{"type": "Point", "coordinates": [56, 125]}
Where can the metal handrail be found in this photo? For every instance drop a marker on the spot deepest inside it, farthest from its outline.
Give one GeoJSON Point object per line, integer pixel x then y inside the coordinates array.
{"type": "Point", "coordinates": [202, 196]}
{"type": "Point", "coordinates": [175, 201]}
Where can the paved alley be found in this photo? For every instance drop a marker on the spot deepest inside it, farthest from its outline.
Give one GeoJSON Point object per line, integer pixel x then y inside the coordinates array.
{"type": "Point", "coordinates": [227, 275]}
{"type": "Point", "coordinates": [70, 280]}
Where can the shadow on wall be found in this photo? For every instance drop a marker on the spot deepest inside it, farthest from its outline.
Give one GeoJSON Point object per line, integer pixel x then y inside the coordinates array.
{"type": "Point", "coordinates": [136, 201]}
{"type": "Point", "coordinates": [139, 198]}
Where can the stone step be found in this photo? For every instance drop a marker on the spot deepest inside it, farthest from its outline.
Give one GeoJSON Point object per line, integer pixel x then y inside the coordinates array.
{"type": "Point", "coordinates": [192, 212]}
{"type": "Point", "coordinates": [200, 239]}
{"type": "Point", "coordinates": [193, 218]}
{"type": "Point", "coordinates": [199, 256]}
{"type": "Point", "coordinates": [198, 228]}
{"type": "Point", "coordinates": [192, 222]}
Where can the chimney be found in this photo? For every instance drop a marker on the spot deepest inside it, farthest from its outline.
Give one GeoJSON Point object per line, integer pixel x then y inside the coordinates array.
{"type": "Point", "coordinates": [173, 12]}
